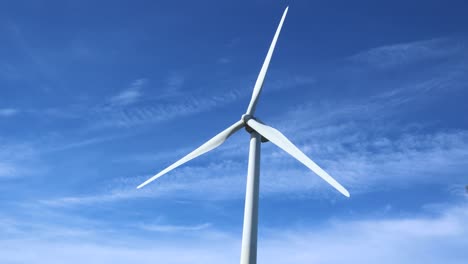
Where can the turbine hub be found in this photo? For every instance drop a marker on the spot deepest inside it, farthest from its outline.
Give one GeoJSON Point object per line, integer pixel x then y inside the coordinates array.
{"type": "Point", "coordinates": [245, 118]}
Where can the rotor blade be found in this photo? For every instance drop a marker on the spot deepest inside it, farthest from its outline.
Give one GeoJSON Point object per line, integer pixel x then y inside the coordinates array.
{"type": "Point", "coordinates": [211, 144]}
{"type": "Point", "coordinates": [261, 76]}
{"type": "Point", "coordinates": [281, 141]}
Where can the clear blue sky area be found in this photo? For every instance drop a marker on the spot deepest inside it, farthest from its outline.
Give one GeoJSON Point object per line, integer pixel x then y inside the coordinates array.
{"type": "Point", "coordinates": [98, 96]}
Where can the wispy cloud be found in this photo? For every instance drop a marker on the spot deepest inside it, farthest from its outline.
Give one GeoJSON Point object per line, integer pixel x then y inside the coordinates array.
{"type": "Point", "coordinates": [7, 169]}
{"type": "Point", "coordinates": [386, 240]}
{"type": "Point", "coordinates": [79, 143]}
{"type": "Point", "coordinates": [8, 112]}
{"type": "Point", "coordinates": [175, 228]}
{"type": "Point", "coordinates": [361, 142]}
{"type": "Point", "coordinates": [362, 163]}
{"type": "Point", "coordinates": [15, 159]}
{"type": "Point", "coordinates": [161, 112]}
{"type": "Point", "coordinates": [215, 182]}
{"type": "Point", "coordinates": [390, 56]}
{"type": "Point", "coordinates": [174, 83]}
{"type": "Point", "coordinates": [405, 240]}
{"type": "Point", "coordinates": [129, 95]}
{"type": "Point", "coordinates": [133, 94]}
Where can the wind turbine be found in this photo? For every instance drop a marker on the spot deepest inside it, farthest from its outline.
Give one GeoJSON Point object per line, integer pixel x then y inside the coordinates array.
{"type": "Point", "coordinates": [259, 132]}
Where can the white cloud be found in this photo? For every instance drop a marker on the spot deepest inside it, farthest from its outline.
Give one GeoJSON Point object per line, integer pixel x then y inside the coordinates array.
{"type": "Point", "coordinates": [174, 83]}
{"type": "Point", "coordinates": [130, 95]}
{"type": "Point", "coordinates": [355, 141]}
{"type": "Point", "coordinates": [7, 112]}
{"type": "Point", "coordinates": [419, 239]}
{"type": "Point", "coordinates": [407, 240]}
{"type": "Point", "coordinates": [175, 228]}
{"type": "Point", "coordinates": [16, 159]}
{"type": "Point", "coordinates": [217, 181]}
{"type": "Point", "coordinates": [360, 142]}
{"type": "Point", "coordinates": [386, 57]}
{"type": "Point", "coordinates": [7, 170]}
{"type": "Point", "coordinates": [360, 165]}
{"type": "Point", "coordinates": [79, 143]}
{"type": "Point", "coordinates": [163, 111]}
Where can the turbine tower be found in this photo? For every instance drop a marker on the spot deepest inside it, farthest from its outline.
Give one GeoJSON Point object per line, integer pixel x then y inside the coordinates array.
{"type": "Point", "coordinates": [258, 133]}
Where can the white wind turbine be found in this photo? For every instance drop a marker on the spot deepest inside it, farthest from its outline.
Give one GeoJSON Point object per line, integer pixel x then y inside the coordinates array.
{"type": "Point", "coordinates": [258, 131]}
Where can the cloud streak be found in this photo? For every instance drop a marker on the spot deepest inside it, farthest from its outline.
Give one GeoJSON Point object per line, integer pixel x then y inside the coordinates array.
{"type": "Point", "coordinates": [404, 54]}
{"type": "Point", "coordinates": [130, 95]}
{"type": "Point", "coordinates": [383, 240]}
{"type": "Point", "coordinates": [175, 228]}
{"type": "Point", "coordinates": [360, 142]}
{"type": "Point", "coordinates": [139, 115]}
{"type": "Point", "coordinates": [361, 165]}
{"type": "Point", "coordinates": [17, 159]}
{"type": "Point", "coordinates": [8, 112]}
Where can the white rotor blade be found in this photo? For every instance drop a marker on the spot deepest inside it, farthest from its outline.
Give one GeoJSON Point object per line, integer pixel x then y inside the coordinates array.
{"type": "Point", "coordinates": [261, 76]}
{"type": "Point", "coordinates": [281, 141]}
{"type": "Point", "coordinates": [211, 144]}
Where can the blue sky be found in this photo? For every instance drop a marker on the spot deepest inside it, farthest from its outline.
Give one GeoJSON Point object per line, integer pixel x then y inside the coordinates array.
{"type": "Point", "coordinates": [97, 97]}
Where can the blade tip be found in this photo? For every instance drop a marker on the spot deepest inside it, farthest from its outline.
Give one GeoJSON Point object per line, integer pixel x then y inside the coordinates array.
{"type": "Point", "coordinates": [346, 193]}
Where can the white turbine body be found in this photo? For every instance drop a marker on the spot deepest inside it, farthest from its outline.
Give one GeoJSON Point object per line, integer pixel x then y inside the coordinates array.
{"type": "Point", "coordinates": [257, 131]}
